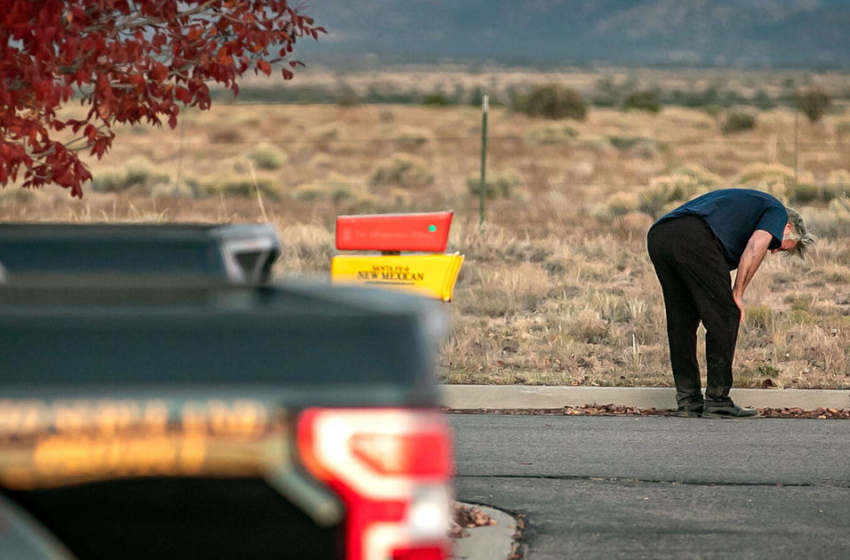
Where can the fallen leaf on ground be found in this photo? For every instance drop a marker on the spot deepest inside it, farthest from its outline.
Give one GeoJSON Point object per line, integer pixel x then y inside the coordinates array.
{"type": "Point", "coordinates": [467, 517]}
{"type": "Point", "coordinates": [618, 410]}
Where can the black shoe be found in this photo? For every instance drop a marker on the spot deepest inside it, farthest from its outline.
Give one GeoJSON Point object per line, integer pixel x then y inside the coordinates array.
{"type": "Point", "coordinates": [728, 410]}
{"type": "Point", "coordinates": [689, 411]}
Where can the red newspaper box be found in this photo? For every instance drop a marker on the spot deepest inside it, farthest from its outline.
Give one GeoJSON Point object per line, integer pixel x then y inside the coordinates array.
{"type": "Point", "coordinates": [426, 232]}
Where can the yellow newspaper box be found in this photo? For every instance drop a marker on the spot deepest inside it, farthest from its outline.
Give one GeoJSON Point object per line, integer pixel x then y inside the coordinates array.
{"type": "Point", "coordinates": [430, 275]}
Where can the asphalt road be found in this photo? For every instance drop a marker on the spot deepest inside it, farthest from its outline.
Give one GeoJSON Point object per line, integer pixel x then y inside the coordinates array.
{"type": "Point", "coordinates": [609, 487]}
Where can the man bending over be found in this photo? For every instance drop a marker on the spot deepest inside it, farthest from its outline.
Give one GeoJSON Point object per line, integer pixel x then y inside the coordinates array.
{"type": "Point", "coordinates": [693, 248]}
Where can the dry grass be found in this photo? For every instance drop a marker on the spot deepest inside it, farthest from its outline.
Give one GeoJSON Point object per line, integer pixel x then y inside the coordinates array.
{"type": "Point", "coordinates": [557, 287]}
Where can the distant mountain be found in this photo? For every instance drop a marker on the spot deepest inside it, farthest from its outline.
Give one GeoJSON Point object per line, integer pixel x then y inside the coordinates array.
{"type": "Point", "coordinates": [727, 33]}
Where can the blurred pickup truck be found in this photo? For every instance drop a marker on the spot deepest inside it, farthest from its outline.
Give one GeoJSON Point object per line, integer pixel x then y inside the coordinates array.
{"type": "Point", "coordinates": [157, 400]}
{"type": "Point", "coordinates": [237, 252]}
{"type": "Point", "coordinates": [216, 420]}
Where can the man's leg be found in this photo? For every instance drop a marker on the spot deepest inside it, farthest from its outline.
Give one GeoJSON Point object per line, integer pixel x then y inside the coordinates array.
{"type": "Point", "coordinates": [711, 286]}
{"type": "Point", "coordinates": [682, 323]}
{"type": "Point", "coordinates": [713, 296]}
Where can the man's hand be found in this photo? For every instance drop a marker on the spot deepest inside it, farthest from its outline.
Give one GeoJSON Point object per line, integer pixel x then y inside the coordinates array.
{"type": "Point", "coordinates": [739, 301]}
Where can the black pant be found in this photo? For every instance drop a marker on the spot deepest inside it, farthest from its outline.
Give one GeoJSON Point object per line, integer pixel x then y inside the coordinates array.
{"type": "Point", "coordinates": [695, 279]}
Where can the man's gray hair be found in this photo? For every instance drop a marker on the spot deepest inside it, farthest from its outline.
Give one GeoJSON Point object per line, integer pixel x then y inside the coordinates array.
{"type": "Point", "coordinates": [799, 233]}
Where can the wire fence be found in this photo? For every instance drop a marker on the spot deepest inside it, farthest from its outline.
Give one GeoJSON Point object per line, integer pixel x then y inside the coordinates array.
{"type": "Point", "coordinates": [626, 138]}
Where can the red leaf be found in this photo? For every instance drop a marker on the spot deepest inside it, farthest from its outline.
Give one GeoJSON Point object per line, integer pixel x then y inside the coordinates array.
{"type": "Point", "coordinates": [183, 94]}
{"type": "Point", "coordinates": [137, 79]}
{"type": "Point", "coordinates": [158, 72]}
{"type": "Point", "coordinates": [264, 66]}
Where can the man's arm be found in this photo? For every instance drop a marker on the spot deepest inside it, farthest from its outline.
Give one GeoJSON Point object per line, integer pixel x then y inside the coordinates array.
{"type": "Point", "coordinates": [751, 259]}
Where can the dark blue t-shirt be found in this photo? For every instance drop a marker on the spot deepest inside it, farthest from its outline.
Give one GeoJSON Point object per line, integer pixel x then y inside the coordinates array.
{"type": "Point", "coordinates": [733, 215]}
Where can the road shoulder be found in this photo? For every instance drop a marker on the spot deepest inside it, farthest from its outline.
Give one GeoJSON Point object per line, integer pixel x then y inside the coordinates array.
{"type": "Point", "coordinates": [468, 397]}
{"type": "Point", "coordinates": [490, 542]}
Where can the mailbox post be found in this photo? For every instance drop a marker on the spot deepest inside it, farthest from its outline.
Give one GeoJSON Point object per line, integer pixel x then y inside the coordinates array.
{"type": "Point", "coordinates": [430, 272]}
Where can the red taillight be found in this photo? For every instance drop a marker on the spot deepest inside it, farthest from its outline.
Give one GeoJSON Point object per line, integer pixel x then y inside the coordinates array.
{"type": "Point", "coordinates": [391, 468]}
{"type": "Point", "coordinates": [425, 454]}
{"type": "Point", "coordinates": [426, 553]}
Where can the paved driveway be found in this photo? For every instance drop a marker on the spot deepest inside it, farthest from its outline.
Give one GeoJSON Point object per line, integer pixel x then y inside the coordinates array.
{"type": "Point", "coordinates": [603, 487]}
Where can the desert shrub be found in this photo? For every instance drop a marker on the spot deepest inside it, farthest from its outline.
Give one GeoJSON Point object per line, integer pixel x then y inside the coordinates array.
{"type": "Point", "coordinates": [554, 134]}
{"type": "Point", "coordinates": [705, 99]}
{"type": "Point", "coordinates": [267, 157]}
{"type": "Point", "coordinates": [759, 317]}
{"type": "Point", "coordinates": [593, 143]}
{"type": "Point", "coordinates": [700, 174]}
{"type": "Point", "coordinates": [500, 185]}
{"type": "Point", "coordinates": [767, 370]}
{"type": "Point", "coordinates": [325, 135]}
{"type": "Point", "coordinates": [550, 101]}
{"type": "Point", "coordinates": [346, 96]}
{"type": "Point", "coordinates": [399, 198]}
{"type": "Point", "coordinates": [762, 100]}
{"type": "Point", "coordinates": [800, 317]}
{"type": "Point", "coordinates": [640, 145]}
{"type": "Point", "coordinates": [832, 222]}
{"type": "Point", "coordinates": [766, 172]}
{"type": "Point", "coordinates": [15, 194]}
{"type": "Point", "coordinates": [813, 103]}
{"type": "Point", "coordinates": [608, 94]}
{"type": "Point", "coordinates": [714, 111]}
{"type": "Point", "coordinates": [390, 94]}
{"type": "Point", "coordinates": [654, 202]}
{"type": "Point", "coordinates": [108, 179]}
{"type": "Point", "coordinates": [436, 100]}
{"type": "Point", "coordinates": [226, 136]}
{"type": "Point", "coordinates": [321, 162]}
{"type": "Point", "coordinates": [586, 326]}
{"type": "Point", "coordinates": [309, 192]}
{"type": "Point", "coordinates": [624, 142]}
{"type": "Point", "coordinates": [738, 121]}
{"type": "Point", "coordinates": [838, 184]}
{"type": "Point", "coordinates": [772, 178]}
{"type": "Point", "coordinates": [800, 302]}
{"type": "Point", "coordinates": [402, 170]}
{"type": "Point", "coordinates": [137, 172]}
{"type": "Point", "coordinates": [612, 309]}
{"type": "Point", "coordinates": [234, 184]}
{"type": "Point", "coordinates": [836, 274]}
{"type": "Point", "coordinates": [409, 138]}
{"type": "Point", "coordinates": [621, 203]}
{"type": "Point", "coordinates": [476, 98]}
{"type": "Point", "coordinates": [804, 193]}
{"type": "Point", "coordinates": [335, 188]}
{"type": "Point", "coordinates": [840, 208]}
{"type": "Point", "coordinates": [642, 101]}
{"type": "Point", "coordinates": [140, 171]}
{"type": "Point", "coordinates": [328, 133]}
{"type": "Point", "coordinates": [839, 177]}
{"type": "Point", "coordinates": [631, 225]}
{"type": "Point", "coordinates": [668, 190]}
